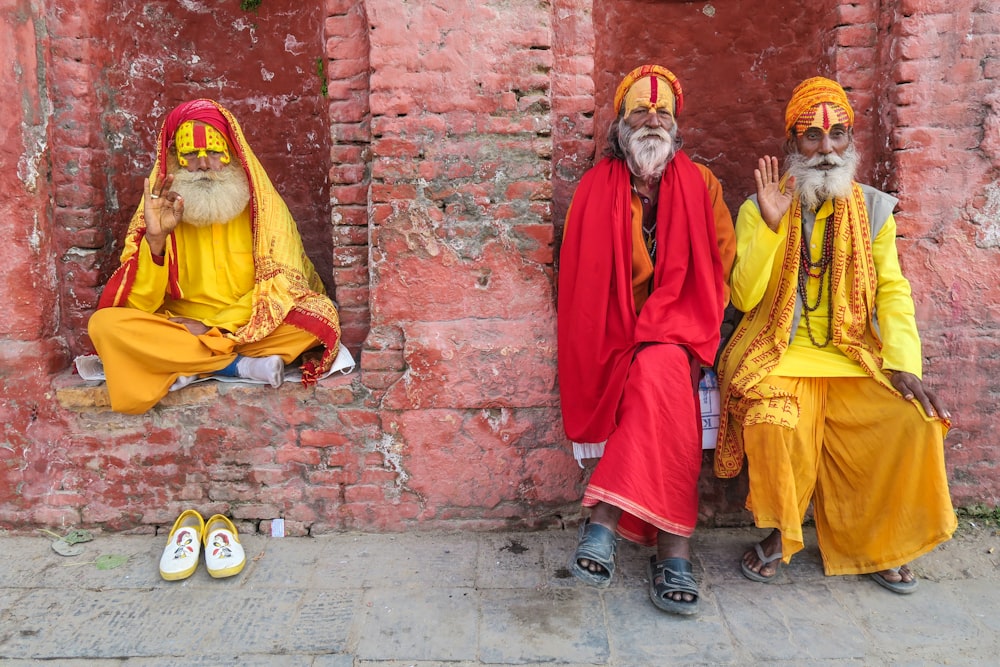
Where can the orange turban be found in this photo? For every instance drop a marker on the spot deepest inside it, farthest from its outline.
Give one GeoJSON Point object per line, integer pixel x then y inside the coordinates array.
{"type": "Point", "coordinates": [814, 92]}
{"type": "Point", "coordinates": [652, 95]}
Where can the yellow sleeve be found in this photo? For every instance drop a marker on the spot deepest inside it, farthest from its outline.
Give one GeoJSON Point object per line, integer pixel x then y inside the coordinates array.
{"type": "Point", "coordinates": [150, 284]}
{"type": "Point", "coordinates": [894, 306]}
{"type": "Point", "coordinates": [756, 249]}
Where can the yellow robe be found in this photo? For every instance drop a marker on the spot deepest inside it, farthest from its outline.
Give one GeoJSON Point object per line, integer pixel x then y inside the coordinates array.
{"type": "Point", "coordinates": [250, 280]}
{"type": "Point", "coordinates": [824, 425]}
{"type": "Point", "coordinates": [215, 267]}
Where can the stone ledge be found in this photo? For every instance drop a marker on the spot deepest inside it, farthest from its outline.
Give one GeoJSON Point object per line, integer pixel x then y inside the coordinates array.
{"type": "Point", "coordinates": [78, 395]}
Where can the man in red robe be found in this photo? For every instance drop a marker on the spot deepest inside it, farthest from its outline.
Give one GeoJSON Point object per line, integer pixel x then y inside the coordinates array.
{"type": "Point", "coordinates": [645, 259]}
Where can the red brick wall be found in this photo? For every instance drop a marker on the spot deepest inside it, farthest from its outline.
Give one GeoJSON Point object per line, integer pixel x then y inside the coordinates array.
{"type": "Point", "coordinates": [347, 70]}
{"type": "Point", "coordinates": [430, 177]}
{"type": "Point", "coordinates": [461, 234]}
{"type": "Point", "coordinates": [945, 141]}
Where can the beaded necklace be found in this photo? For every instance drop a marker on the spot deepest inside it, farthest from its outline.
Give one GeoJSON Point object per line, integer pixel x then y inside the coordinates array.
{"type": "Point", "coordinates": [821, 270]}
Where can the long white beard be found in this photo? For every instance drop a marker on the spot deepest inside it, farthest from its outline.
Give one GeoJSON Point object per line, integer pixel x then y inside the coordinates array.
{"type": "Point", "coordinates": [814, 185]}
{"type": "Point", "coordinates": [210, 197]}
{"type": "Point", "coordinates": [647, 149]}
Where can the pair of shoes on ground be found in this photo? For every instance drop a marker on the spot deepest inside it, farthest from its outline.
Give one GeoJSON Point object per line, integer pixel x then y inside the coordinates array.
{"type": "Point", "coordinates": [224, 555]}
{"type": "Point", "coordinates": [901, 587]}
{"type": "Point", "coordinates": [597, 544]}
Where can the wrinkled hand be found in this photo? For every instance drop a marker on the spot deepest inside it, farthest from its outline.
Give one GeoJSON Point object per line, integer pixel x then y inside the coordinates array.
{"type": "Point", "coordinates": [162, 209]}
{"type": "Point", "coordinates": [194, 326]}
{"type": "Point", "coordinates": [910, 386]}
{"type": "Point", "coordinates": [773, 203]}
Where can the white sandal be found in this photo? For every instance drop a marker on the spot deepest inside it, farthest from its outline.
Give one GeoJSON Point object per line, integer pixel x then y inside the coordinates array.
{"type": "Point", "coordinates": [180, 556]}
{"type": "Point", "coordinates": [224, 555]}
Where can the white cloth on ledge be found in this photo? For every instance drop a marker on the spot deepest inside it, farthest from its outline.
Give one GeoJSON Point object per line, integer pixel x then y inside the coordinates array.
{"type": "Point", "coordinates": [90, 368]}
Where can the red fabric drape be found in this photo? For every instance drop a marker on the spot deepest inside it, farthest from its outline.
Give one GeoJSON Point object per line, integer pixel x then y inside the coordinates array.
{"type": "Point", "coordinates": [599, 330]}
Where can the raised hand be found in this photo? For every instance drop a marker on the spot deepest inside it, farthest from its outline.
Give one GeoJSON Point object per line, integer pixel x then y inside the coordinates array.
{"type": "Point", "coordinates": [773, 203]}
{"type": "Point", "coordinates": [162, 210]}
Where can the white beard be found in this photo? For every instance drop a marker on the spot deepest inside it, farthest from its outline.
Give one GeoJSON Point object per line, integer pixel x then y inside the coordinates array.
{"type": "Point", "coordinates": [210, 197]}
{"type": "Point", "coordinates": [814, 185]}
{"type": "Point", "coordinates": [647, 150]}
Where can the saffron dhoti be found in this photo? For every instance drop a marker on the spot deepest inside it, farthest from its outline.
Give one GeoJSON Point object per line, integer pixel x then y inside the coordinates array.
{"type": "Point", "coordinates": [144, 353]}
{"type": "Point", "coordinates": [872, 464]}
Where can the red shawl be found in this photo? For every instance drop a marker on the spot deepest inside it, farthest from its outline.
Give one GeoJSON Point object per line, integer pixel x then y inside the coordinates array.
{"type": "Point", "coordinates": [599, 330]}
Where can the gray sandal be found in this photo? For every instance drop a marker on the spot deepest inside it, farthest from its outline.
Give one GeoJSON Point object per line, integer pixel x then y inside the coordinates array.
{"type": "Point", "coordinates": [764, 560]}
{"type": "Point", "coordinates": [596, 544]}
{"type": "Point", "coordinates": [901, 587]}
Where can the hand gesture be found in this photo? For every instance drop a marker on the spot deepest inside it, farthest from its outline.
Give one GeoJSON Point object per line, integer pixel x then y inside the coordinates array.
{"type": "Point", "coordinates": [162, 210]}
{"type": "Point", "coordinates": [910, 386]}
{"type": "Point", "coordinates": [773, 203]}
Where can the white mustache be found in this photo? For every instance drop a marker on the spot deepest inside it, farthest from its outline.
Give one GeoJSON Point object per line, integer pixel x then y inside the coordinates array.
{"type": "Point", "coordinates": [832, 160]}
{"type": "Point", "coordinates": [644, 132]}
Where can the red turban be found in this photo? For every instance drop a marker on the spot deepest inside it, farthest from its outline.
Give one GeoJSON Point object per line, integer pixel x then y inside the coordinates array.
{"type": "Point", "coordinates": [204, 110]}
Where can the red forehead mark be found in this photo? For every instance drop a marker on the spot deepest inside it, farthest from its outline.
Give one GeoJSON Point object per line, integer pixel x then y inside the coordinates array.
{"type": "Point", "coordinates": [826, 118]}
{"type": "Point", "coordinates": [652, 90]}
{"type": "Point", "coordinates": [200, 140]}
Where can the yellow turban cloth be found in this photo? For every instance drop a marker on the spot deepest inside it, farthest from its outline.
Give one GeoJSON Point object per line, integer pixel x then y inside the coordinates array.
{"type": "Point", "coordinates": [812, 93]}
{"type": "Point", "coordinates": [649, 87]}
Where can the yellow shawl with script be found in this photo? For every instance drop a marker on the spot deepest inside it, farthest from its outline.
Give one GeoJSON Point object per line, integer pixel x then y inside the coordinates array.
{"type": "Point", "coordinates": [763, 335]}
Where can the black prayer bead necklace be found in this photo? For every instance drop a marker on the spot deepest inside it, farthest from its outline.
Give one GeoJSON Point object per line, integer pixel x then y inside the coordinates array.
{"type": "Point", "coordinates": [820, 270]}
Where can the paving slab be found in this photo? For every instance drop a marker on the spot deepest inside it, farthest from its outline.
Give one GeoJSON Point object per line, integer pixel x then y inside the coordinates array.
{"type": "Point", "coordinates": [417, 622]}
{"type": "Point", "coordinates": [463, 599]}
{"type": "Point", "coordinates": [543, 626]}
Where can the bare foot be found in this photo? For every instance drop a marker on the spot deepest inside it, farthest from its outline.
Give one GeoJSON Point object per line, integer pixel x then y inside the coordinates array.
{"type": "Point", "coordinates": [902, 574]}
{"type": "Point", "coordinates": [588, 564]}
{"type": "Point", "coordinates": [770, 545]}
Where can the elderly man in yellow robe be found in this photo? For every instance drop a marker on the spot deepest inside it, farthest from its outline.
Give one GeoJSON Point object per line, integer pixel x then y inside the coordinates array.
{"type": "Point", "coordinates": [213, 277]}
{"type": "Point", "coordinates": [821, 381]}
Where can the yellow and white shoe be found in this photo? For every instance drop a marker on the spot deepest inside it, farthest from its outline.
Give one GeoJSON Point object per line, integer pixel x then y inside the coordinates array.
{"type": "Point", "coordinates": [180, 556]}
{"type": "Point", "coordinates": [224, 554]}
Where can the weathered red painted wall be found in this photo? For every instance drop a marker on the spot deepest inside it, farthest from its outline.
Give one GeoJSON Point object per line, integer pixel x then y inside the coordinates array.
{"type": "Point", "coordinates": [737, 60]}
{"type": "Point", "coordinates": [430, 178]}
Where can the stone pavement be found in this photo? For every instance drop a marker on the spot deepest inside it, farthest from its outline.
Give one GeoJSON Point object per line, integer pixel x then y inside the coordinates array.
{"type": "Point", "coordinates": [434, 599]}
